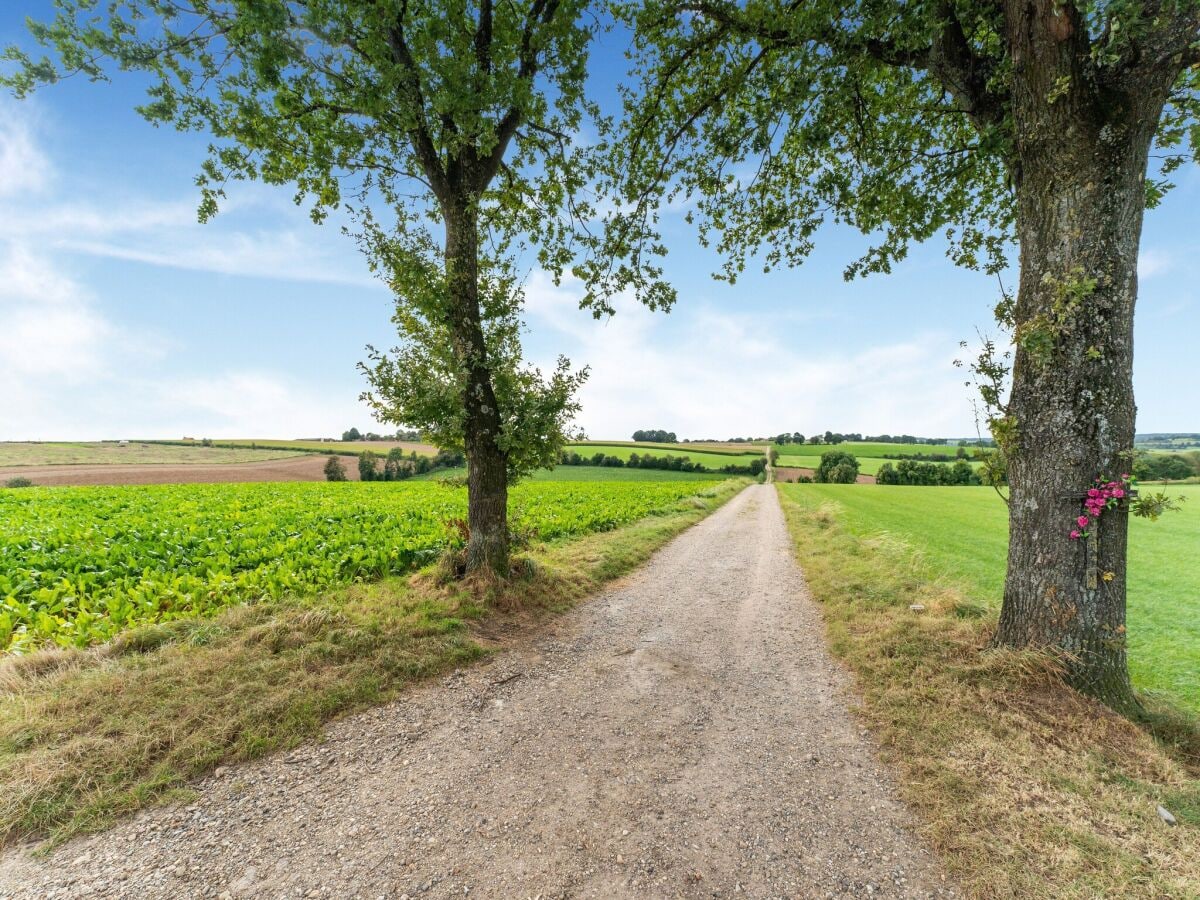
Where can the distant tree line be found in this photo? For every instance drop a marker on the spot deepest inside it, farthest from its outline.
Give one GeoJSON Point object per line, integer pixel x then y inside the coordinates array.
{"type": "Point", "coordinates": [1167, 441]}
{"type": "Point", "coordinates": [652, 461]}
{"type": "Point", "coordinates": [911, 471]}
{"type": "Point", "coordinates": [353, 434]}
{"type": "Point", "coordinates": [396, 466]}
{"type": "Point", "coordinates": [837, 437]}
{"type": "Point", "coordinates": [655, 436]}
{"type": "Point", "coordinates": [960, 453]}
{"type": "Point", "coordinates": [1167, 466]}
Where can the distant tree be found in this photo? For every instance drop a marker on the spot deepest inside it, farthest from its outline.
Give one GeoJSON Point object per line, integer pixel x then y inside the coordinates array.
{"type": "Point", "coordinates": [837, 467]}
{"type": "Point", "coordinates": [334, 470]}
{"type": "Point", "coordinates": [352, 434]}
{"type": "Point", "coordinates": [655, 435]}
{"type": "Point", "coordinates": [797, 438]}
{"type": "Point", "coordinates": [368, 466]}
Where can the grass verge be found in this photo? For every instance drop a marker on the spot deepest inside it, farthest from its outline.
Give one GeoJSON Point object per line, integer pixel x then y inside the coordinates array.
{"type": "Point", "coordinates": [1025, 788]}
{"type": "Point", "coordinates": [87, 736]}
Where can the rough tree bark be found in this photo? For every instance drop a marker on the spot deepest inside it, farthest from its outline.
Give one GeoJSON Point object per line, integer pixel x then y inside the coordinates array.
{"type": "Point", "coordinates": [1079, 171]}
{"type": "Point", "coordinates": [487, 468]}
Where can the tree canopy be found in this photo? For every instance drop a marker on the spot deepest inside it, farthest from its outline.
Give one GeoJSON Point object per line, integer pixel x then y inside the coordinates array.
{"type": "Point", "coordinates": [773, 118]}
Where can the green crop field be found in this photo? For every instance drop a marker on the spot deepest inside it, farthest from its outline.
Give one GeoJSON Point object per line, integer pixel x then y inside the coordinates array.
{"type": "Point", "coordinates": [959, 534]}
{"type": "Point", "coordinates": [78, 565]}
{"type": "Point", "coordinates": [134, 453]}
{"type": "Point", "coordinates": [703, 457]}
{"type": "Point", "coordinates": [342, 447]}
{"type": "Point", "coordinates": [587, 473]}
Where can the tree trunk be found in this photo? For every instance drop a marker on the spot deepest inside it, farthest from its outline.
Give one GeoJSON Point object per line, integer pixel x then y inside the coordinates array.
{"type": "Point", "coordinates": [487, 466]}
{"type": "Point", "coordinates": [1079, 172]}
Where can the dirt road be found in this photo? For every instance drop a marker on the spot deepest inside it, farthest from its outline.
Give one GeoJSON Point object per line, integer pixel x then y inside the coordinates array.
{"type": "Point", "coordinates": [684, 734]}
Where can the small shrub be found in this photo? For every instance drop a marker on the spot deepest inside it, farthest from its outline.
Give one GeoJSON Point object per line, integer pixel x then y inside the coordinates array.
{"type": "Point", "coordinates": [334, 470]}
{"type": "Point", "coordinates": [18, 482]}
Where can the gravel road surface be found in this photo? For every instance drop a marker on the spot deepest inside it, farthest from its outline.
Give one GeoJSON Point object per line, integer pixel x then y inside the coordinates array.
{"type": "Point", "coordinates": [683, 734]}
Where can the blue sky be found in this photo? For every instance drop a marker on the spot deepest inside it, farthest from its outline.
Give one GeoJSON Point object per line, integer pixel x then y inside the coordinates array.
{"type": "Point", "coordinates": [120, 316]}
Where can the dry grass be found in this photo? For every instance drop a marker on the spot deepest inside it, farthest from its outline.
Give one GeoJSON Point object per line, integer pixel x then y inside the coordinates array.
{"type": "Point", "coordinates": [1025, 788]}
{"type": "Point", "coordinates": [86, 736]}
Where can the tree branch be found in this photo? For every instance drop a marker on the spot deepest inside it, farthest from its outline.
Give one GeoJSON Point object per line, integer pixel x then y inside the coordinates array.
{"type": "Point", "coordinates": [418, 132]}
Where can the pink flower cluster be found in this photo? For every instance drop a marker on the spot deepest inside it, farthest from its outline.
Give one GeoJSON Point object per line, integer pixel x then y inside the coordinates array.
{"type": "Point", "coordinates": [1105, 495]}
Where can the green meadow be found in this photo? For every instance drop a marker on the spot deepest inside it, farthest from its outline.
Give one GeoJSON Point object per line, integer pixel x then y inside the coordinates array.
{"type": "Point", "coordinates": [958, 535]}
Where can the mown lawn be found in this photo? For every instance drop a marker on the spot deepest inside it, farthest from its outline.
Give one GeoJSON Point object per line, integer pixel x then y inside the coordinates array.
{"type": "Point", "coordinates": [959, 534]}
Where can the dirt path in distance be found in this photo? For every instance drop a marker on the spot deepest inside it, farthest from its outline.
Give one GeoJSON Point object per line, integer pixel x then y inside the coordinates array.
{"type": "Point", "coordinates": [683, 734]}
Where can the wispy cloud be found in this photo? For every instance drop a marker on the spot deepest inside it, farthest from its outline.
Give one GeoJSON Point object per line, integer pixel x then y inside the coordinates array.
{"type": "Point", "coordinates": [1154, 262]}
{"type": "Point", "coordinates": [71, 370]}
{"type": "Point", "coordinates": [258, 233]}
{"type": "Point", "coordinates": [749, 374]}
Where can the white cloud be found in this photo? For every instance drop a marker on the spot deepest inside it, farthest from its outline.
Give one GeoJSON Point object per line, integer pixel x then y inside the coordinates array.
{"type": "Point", "coordinates": [705, 373]}
{"type": "Point", "coordinates": [1154, 262]}
{"type": "Point", "coordinates": [166, 233]}
{"type": "Point", "coordinates": [69, 370]}
{"type": "Point", "coordinates": [24, 168]}
{"type": "Point", "coordinates": [48, 330]}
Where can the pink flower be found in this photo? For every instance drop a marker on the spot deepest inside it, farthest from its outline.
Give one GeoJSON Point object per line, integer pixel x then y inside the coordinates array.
{"type": "Point", "coordinates": [1074, 535]}
{"type": "Point", "coordinates": [1082, 521]}
{"type": "Point", "coordinates": [1124, 477]}
{"type": "Point", "coordinates": [1094, 493]}
{"type": "Point", "coordinates": [1118, 493]}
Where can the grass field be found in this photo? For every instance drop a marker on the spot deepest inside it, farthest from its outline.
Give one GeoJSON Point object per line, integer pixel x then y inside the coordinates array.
{"type": "Point", "coordinates": [866, 465]}
{"type": "Point", "coordinates": [703, 457]}
{"type": "Point", "coordinates": [959, 534]}
{"type": "Point", "coordinates": [871, 455]}
{"type": "Point", "coordinates": [1023, 787]}
{"type": "Point", "coordinates": [134, 453]}
{"type": "Point", "coordinates": [870, 448]}
{"type": "Point", "coordinates": [755, 448]}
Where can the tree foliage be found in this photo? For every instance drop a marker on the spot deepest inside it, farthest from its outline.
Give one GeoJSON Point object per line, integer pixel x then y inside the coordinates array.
{"type": "Point", "coordinates": [446, 136]}
{"type": "Point", "coordinates": [773, 118]}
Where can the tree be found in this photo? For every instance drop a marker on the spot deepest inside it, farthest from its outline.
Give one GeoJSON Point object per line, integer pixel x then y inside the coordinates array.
{"type": "Point", "coordinates": [368, 466]}
{"type": "Point", "coordinates": [655, 435]}
{"type": "Point", "coordinates": [352, 435]}
{"type": "Point", "coordinates": [334, 470]}
{"type": "Point", "coordinates": [837, 467]}
{"type": "Point", "coordinates": [414, 117]}
{"type": "Point", "coordinates": [1024, 120]}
